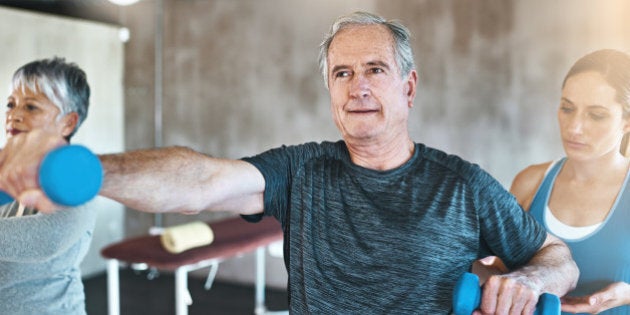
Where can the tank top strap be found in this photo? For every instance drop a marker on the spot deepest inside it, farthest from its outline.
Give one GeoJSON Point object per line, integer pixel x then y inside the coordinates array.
{"type": "Point", "coordinates": [537, 208]}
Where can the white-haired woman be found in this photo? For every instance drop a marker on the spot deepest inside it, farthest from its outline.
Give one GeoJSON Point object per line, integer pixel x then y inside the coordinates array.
{"type": "Point", "coordinates": [40, 253]}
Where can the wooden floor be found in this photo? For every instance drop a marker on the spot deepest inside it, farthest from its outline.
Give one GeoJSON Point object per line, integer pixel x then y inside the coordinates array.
{"type": "Point", "coordinates": [139, 295]}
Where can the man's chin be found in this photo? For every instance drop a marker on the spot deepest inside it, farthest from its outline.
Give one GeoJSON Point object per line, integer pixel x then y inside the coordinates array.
{"type": "Point", "coordinates": [361, 138]}
{"type": "Point", "coordinates": [367, 133]}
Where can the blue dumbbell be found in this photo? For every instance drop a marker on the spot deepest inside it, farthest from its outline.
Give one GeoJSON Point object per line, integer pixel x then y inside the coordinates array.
{"type": "Point", "coordinates": [467, 298]}
{"type": "Point", "coordinates": [70, 176]}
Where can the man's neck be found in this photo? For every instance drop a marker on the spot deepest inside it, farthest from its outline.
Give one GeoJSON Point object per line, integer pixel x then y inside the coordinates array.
{"type": "Point", "coordinates": [381, 156]}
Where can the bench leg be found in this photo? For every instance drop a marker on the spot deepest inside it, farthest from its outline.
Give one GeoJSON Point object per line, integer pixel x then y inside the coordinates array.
{"type": "Point", "coordinates": [261, 308]}
{"type": "Point", "coordinates": [260, 281]}
{"type": "Point", "coordinates": [182, 296]}
{"type": "Point", "coordinates": [212, 273]}
{"type": "Point", "coordinates": [113, 289]}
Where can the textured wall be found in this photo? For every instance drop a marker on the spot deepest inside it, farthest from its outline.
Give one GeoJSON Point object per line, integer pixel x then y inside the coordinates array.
{"type": "Point", "coordinates": [241, 76]}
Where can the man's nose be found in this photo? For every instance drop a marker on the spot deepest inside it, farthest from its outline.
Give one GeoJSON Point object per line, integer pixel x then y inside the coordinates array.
{"type": "Point", "coordinates": [359, 86]}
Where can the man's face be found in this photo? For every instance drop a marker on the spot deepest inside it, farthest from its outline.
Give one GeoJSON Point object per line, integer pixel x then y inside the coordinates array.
{"type": "Point", "coordinates": [369, 100]}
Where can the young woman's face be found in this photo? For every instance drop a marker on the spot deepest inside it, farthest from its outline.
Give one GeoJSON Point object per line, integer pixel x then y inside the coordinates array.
{"type": "Point", "coordinates": [591, 120]}
{"type": "Point", "coordinates": [28, 110]}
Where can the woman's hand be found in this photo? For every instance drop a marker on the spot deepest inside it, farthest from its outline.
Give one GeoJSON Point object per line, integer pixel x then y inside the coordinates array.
{"type": "Point", "coordinates": [614, 295]}
{"type": "Point", "coordinates": [19, 167]}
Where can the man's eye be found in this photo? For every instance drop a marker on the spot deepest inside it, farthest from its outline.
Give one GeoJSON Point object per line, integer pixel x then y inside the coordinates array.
{"type": "Point", "coordinates": [10, 105]}
{"type": "Point", "coordinates": [31, 107]}
{"type": "Point", "coordinates": [377, 70]}
{"type": "Point", "coordinates": [342, 74]}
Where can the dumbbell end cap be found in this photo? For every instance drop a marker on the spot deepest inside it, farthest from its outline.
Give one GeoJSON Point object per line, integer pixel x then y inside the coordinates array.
{"type": "Point", "coordinates": [5, 198]}
{"type": "Point", "coordinates": [467, 294]}
{"type": "Point", "coordinates": [548, 304]}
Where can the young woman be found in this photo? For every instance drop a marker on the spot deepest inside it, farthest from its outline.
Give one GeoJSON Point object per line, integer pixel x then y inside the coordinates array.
{"type": "Point", "coordinates": [584, 197]}
{"type": "Point", "coordinates": [40, 253]}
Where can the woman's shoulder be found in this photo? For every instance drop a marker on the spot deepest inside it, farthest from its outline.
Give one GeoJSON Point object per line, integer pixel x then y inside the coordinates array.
{"type": "Point", "coordinates": [526, 182]}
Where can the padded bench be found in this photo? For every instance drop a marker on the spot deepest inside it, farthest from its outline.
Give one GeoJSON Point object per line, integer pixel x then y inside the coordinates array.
{"type": "Point", "coordinates": [232, 237]}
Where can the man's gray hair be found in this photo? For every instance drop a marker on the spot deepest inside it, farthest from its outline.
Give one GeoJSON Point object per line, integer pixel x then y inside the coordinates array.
{"type": "Point", "coordinates": [400, 34]}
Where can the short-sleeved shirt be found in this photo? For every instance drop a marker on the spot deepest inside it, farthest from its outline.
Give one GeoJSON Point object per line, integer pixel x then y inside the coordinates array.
{"type": "Point", "coordinates": [362, 241]}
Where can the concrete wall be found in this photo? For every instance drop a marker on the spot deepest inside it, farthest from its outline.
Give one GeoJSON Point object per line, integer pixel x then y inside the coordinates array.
{"type": "Point", "coordinates": [241, 76]}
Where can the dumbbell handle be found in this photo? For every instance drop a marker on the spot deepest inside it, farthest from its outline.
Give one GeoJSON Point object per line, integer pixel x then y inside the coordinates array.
{"type": "Point", "coordinates": [70, 176]}
{"type": "Point", "coordinates": [467, 298]}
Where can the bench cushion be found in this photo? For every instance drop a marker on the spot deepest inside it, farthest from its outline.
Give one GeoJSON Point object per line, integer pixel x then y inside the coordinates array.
{"type": "Point", "coordinates": [232, 237]}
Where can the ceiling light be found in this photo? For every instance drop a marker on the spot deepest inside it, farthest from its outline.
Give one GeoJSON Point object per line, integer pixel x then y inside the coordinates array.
{"type": "Point", "coordinates": [123, 2]}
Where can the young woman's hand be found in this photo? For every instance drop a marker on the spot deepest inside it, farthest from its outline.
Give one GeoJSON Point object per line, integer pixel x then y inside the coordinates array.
{"type": "Point", "coordinates": [614, 295]}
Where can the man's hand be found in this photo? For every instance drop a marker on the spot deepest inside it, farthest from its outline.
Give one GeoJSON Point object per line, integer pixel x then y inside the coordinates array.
{"type": "Point", "coordinates": [615, 294]}
{"type": "Point", "coordinates": [19, 167]}
{"type": "Point", "coordinates": [509, 294]}
{"type": "Point", "coordinates": [488, 266]}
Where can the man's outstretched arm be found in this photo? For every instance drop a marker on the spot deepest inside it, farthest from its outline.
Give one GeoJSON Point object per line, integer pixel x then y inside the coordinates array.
{"type": "Point", "coordinates": [174, 179]}
{"type": "Point", "coordinates": [178, 179]}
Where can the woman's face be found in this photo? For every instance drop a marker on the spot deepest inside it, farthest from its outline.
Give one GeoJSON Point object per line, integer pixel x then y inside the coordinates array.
{"type": "Point", "coordinates": [28, 110]}
{"type": "Point", "coordinates": [591, 120]}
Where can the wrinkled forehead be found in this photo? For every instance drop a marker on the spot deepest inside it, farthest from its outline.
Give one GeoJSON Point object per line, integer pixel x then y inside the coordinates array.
{"type": "Point", "coordinates": [355, 42]}
{"type": "Point", "coordinates": [376, 36]}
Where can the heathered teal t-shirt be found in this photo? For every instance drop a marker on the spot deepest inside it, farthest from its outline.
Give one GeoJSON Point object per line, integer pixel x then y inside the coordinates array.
{"type": "Point", "coordinates": [360, 241]}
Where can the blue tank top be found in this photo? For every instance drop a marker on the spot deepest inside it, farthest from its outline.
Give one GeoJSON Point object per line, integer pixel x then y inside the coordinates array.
{"type": "Point", "coordinates": [603, 256]}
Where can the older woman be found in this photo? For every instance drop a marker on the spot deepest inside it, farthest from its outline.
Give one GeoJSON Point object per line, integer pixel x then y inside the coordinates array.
{"type": "Point", "coordinates": [40, 254]}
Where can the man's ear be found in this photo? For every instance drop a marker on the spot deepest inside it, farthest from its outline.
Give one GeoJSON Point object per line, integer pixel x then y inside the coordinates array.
{"type": "Point", "coordinates": [69, 123]}
{"type": "Point", "coordinates": [411, 87]}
